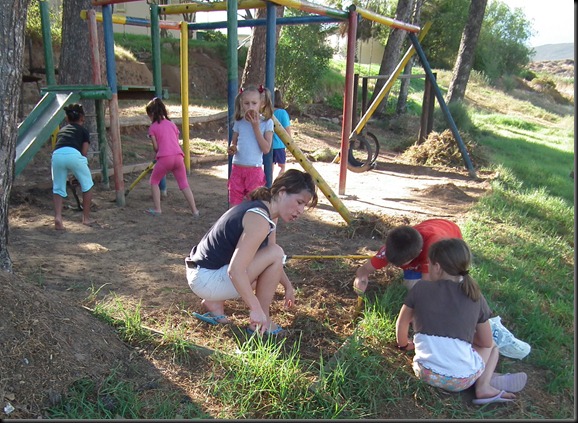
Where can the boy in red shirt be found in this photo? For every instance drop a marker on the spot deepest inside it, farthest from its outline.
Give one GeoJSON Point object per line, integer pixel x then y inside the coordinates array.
{"type": "Point", "coordinates": [407, 247]}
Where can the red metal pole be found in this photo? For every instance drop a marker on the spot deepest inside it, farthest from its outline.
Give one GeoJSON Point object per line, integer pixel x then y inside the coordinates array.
{"type": "Point", "coordinates": [93, 43]}
{"type": "Point", "coordinates": [347, 98]}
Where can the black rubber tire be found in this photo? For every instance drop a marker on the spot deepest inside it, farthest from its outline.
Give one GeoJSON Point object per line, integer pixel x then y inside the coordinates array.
{"type": "Point", "coordinates": [372, 139]}
{"type": "Point", "coordinates": [359, 145]}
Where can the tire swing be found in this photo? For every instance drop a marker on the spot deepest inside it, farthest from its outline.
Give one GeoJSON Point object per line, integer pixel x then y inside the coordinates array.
{"type": "Point", "coordinates": [362, 156]}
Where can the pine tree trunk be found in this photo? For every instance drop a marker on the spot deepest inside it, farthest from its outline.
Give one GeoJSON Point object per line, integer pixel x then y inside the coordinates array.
{"type": "Point", "coordinates": [75, 67]}
{"type": "Point", "coordinates": [254, 72]}
{"type": "Point", "coordinates": [392, 51]}
{"type": "Point", "coordinates": [12, 22]}
{"type": "Point", "coordinates": [465, 59]}
{"type": "Point", "coordinates": [405, 83]}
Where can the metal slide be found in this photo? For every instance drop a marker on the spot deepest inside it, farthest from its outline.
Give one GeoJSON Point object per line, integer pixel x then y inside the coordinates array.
{"type": "Point", "coordinates": [36, 129]}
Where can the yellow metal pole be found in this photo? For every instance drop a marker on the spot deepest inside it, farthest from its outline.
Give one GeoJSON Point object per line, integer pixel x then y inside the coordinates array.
{"type": "Point", "coordinates": [53, 137]}
{"type": "Point", "coordinates": [185, 92]}
{"type": "Point", "coordinates": [175, 9]}
{"type": "Point", "coordinates": [308, 167]}
{"type": "Point", "coordinates": [351, 257]}
{"type": "Point", "coordinates": [391, 80]}
{"type": "Point", "coordinates": [372, 16]}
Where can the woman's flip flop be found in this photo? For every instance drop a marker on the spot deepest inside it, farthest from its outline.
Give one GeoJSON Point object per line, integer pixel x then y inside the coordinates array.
{"type": "Point", "coordinates": [211, 319]}
{"type": "Point", "coordinates": [278, 330]}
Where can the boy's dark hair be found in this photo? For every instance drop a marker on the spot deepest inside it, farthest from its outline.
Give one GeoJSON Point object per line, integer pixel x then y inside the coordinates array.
{"type": "Point", "coordinates": [455, 258]}
{"type": "Point", "coordinates": [402, 245]}
{"type": "Point", "coordinates": [278, 102]}
{"type": "Point", "coordinates": [74, 112]}
{"type": "Point", "coordinates": [156, 108]}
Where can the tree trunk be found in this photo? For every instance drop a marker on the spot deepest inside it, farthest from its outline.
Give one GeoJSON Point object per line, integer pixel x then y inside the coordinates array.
{"type": "Point", "coordinates": [254, 72]}
{"type": "Point", "coordinates": [465, 59]}
{"type": "Point", "coordinates": [405, 83]}
{"type": "Point", "coordinates": [12, 22]}
{"type": "Point", "coordinates": [392, 52]}
{"type": "Point", "coordinates": [75, 67]}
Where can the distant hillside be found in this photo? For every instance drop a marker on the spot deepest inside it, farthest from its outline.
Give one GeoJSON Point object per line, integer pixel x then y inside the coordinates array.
{"type": "Point", "coordinates": [554, 52]}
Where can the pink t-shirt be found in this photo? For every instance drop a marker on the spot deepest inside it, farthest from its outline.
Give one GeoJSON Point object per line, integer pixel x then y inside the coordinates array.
{"type": "Point", "coordinates": [167, 135]}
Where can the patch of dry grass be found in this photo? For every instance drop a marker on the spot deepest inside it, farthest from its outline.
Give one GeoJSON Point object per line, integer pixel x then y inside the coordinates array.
{"type": "Point", "coordinates": [442, 150]}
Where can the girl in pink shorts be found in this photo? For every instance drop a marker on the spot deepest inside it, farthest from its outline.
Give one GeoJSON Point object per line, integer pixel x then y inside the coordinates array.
{"type": "Point", "coordinates": [252, 137]}
{"type": "Point", "coordinates": [164, 135]}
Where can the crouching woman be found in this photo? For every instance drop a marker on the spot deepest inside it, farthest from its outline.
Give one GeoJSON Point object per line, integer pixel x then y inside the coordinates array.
{"type": "Point", "coordinates": [239, 255]}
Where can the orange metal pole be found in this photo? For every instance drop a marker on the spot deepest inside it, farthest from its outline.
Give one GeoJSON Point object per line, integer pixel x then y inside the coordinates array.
{"type": "Point", "coordinates": [347, 99]}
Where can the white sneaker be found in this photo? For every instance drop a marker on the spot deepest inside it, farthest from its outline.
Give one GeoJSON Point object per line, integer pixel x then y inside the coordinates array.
{"type": "Point", "coordinates": [507, 343]}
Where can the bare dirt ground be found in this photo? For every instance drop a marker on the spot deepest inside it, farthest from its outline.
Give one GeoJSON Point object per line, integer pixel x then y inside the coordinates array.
{"type": "Point", "coordinates": [50, 339]}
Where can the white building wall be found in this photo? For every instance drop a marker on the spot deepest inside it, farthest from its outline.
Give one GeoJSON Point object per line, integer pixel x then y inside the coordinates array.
{"type": "Point", "coordinates": [367, 52]}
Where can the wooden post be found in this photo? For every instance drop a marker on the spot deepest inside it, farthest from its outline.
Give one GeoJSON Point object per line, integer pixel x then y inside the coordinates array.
{"type": "Point", "coordinates": [99, 104]}
{"type": "Point", "coordinates": [428, 104]}
{"type": "Point", "coordinates": [364, 95]}
{"type": "Point", "coordinates": [354, 106]}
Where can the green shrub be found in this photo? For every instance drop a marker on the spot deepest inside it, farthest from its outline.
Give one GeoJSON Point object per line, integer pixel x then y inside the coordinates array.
{"type": "Point", "coordinates": [302, 60]}
{"type": "Point", "coordinates": [460, 115]}
{"type": "Point", "coordinates": [34, 23]}
{"type": "Point", "coordinates": [527, 74]}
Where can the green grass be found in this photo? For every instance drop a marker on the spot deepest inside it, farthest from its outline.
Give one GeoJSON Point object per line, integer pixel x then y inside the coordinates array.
{"type": "Point", "coordinates": [522, 237]}
{"type": "Point", "coordinates": [113, 399]}
{"type": "Point", "coordinates": [170, 47]}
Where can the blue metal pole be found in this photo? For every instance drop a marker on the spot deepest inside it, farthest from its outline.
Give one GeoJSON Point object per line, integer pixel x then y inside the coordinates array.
{"type": "Point", "coordinates": [109, 48]}
{"type": "Point", "coordinates": [232, 68]}
{"type": "Point", "coordinates": [294, 20]}
{"type": "Point", "coordinates": [443, 104]}
{"type": "Point", "coordinates": [113, 105]}
{"type": "Point", "coordinates": [270, 42]}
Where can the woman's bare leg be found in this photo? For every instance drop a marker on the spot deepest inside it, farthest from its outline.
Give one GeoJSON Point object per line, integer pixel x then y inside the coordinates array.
{"type": "Point", "coordinates": [266, 270]}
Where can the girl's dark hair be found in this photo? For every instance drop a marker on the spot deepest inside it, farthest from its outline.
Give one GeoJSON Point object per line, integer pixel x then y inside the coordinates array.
{"type": "Point", "coordinates": [402, 245]}
{"type": "Point", "coordinates": [266, 103]}
{"type": "Point", "coordinates": [278, 102]}
{"type": "Point", "coordinates": [292, 181]}
{"type": "Point", "coordinates": [455, 258]}
{"type": "Point", "coordinates": [74, 112]}
{"type": "Point", "coordinates": [156, 108]}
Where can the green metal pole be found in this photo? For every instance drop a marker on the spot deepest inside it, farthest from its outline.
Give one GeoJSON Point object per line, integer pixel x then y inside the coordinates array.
{"type": "Point", "coordinates": [156, 47]}
{"type": "Point", "coordinates": [47, 42]}
{"type": "Point", "coordinates": [102, 142]}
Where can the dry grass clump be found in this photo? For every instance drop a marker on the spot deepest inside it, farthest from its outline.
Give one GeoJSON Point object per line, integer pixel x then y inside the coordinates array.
{"type": "Point", "coordinates": [371, 224]}
{"type": "Point", "coordinates": [442, 150]}
{"type": "Point", "coordinates": [325, 154]}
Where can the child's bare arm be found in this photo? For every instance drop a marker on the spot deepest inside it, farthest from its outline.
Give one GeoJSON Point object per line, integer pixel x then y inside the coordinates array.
{"type": "Point", "coordinates": [232, 149]}
{"type": "Point", "coordinates": [402, 328]}
{"type": "Point", "coordinates": [362, 277]}
{"type": "Point", "coordinates": [483, 336]}
{"type": "Point", "coordinates": [85, 147]}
